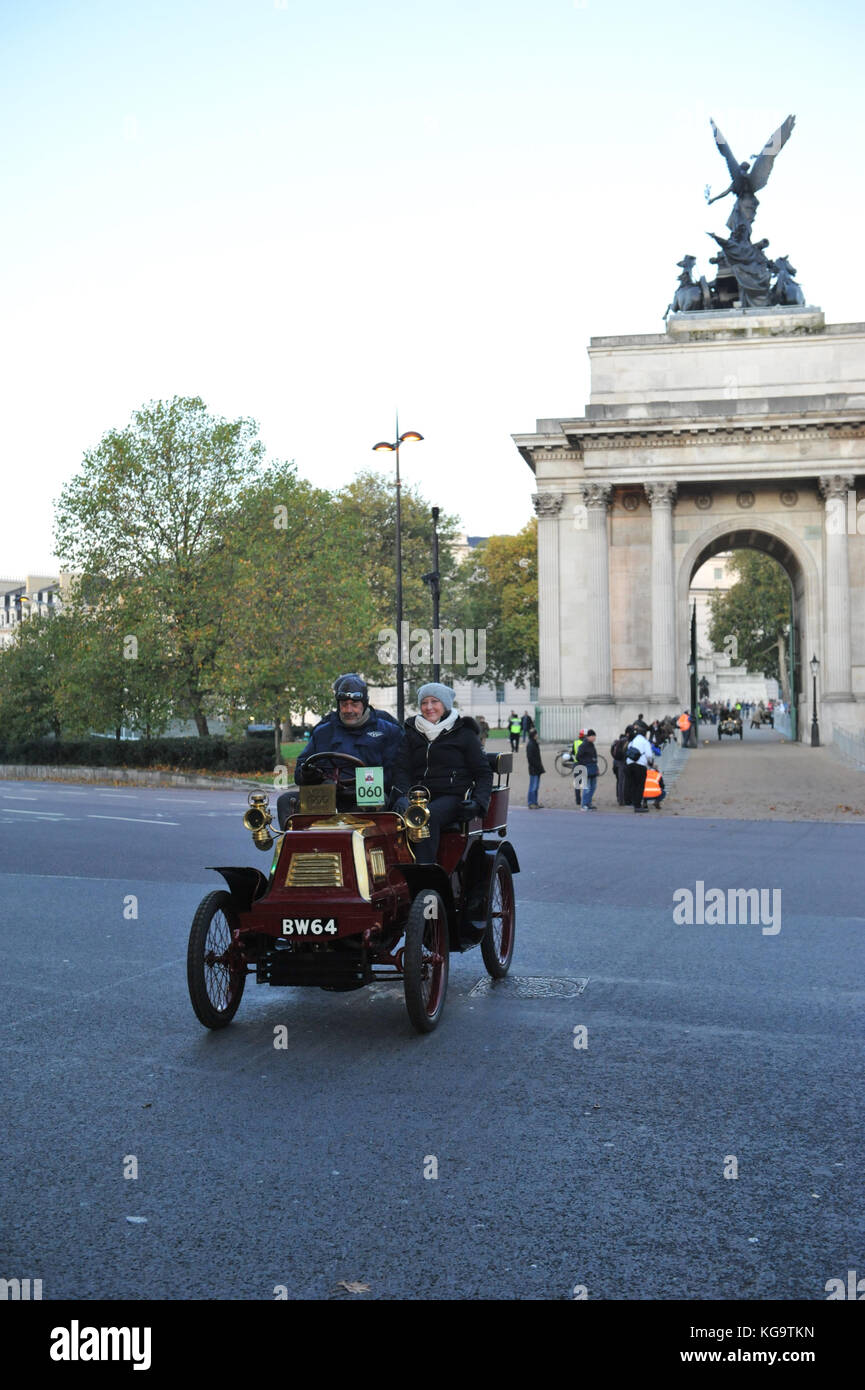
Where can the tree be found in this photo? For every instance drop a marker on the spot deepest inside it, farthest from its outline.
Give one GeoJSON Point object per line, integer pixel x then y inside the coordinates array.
{"type": "Point", "coordinates": [146, 519]}
{"type": "Point", "coordinates": [369, 505]}
{"type": "Point", "coordinates": [301, 608]}
{"type": "Point", "coordinates": [756, 612]}
{"type": "Point", "coordinates": [498, 594]}
{"type": "Point", "coordinates": [112, 671]}
{"type": "Point", "coordinates": [28, 681]}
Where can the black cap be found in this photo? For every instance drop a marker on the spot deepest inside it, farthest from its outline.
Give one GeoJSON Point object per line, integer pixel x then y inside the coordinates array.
{"type": "Point", "coordinates": [351, 687]}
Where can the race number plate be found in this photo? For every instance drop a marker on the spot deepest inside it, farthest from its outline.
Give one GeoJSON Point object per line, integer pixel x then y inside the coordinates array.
{"type": "Point", "coordinates": [309, 926]}
{"type": "Point", "coordinates": [369, 786]}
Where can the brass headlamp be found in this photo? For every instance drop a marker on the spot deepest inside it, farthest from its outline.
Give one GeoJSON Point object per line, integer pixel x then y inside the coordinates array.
{"type": "Point", "coordinates": [258, 819]}
{"type": "Point", "coordinates": [416, 814]}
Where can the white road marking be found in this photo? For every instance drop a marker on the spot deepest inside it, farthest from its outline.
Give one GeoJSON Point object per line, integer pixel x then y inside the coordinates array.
{"type": "Point", "coordinates": [20, 796]}
{"type": "Point", "coordinates": [136, 820]}
{"type": "Point", "coordinates": [52, 815]}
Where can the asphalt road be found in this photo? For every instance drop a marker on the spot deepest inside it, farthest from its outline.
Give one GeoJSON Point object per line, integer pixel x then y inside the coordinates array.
{"type": "Point", "coordinates": [558, 1166]}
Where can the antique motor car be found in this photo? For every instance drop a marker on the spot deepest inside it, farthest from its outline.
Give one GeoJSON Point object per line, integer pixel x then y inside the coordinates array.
{"type": "Point", "coordinates": [346, 903]}
{"type": "Point", "coordinates": [730, 723]}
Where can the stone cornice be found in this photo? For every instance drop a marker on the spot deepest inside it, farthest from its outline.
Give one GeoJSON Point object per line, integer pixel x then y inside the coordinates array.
{"type": "Point", "coordinates": [590, 437]}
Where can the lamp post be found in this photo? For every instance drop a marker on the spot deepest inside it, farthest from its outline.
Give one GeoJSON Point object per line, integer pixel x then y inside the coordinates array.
{"type": "Point", "coordinates": [433, 579]}
{"type": "Point", "coordinates": [692, 672]}
{"type": "Point", "coordinates": [394, 449]}
{"type": "Point", "coordinates": [815, 727]}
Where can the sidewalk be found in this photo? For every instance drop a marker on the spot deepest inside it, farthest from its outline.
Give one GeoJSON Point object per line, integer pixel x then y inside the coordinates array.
{"type": "Point", "coordinates": [761, 777]}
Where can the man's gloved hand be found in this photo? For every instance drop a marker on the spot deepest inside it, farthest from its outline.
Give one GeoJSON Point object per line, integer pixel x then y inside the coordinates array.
{"type": "Point", "coordinates": [471, 810]}
{"type": "Point", "coordinates": [307, 776]}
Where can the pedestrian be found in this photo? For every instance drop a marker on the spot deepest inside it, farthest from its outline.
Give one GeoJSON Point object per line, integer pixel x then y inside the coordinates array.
{"type": "Point", "coordinates": [640, 757]}
{"type": "Point", "coordinates": [483, 729]}
{"type": "Point", "coordinates": [515, 728]}
{"type": "Point", "coordinates": [653, 789]}
{"type": "Point", "coordinates": [587, 758]}
{"type": "Point", "coordinates": [536, 769]}
{"type": "Point", "coordinates": [617, 753]}
{"type": "Point", "coordinates": [526, 724]}
{"type": "Point", "coordinates": [684, 723]}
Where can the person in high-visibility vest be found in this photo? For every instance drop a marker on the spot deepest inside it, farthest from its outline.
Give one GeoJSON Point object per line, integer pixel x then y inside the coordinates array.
{"type": "Point", "coordinates": [515, 728]}
{"type": "Point", "coordinates": [575, 746]}
{"type": "Point", "coordinates": [654, 790]}
{"type": "Point", "coordinates": [684, 723]}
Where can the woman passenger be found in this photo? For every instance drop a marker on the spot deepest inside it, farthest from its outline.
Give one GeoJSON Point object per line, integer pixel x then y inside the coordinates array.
{"type": "Point", "coordinates": [441, 751]}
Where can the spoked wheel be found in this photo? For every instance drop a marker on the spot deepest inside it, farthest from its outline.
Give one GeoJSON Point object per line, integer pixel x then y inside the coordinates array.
{"type": "Point", "coordinates": [426, 960]}
{"type": "Point", "coordinates": [602, 764]}
{"type": "Point", "coordinates": [215, 974]}
{"type": "Point", "coordinates": [564, 768]}
{"type": "Point", "coordinates": [497, 946]}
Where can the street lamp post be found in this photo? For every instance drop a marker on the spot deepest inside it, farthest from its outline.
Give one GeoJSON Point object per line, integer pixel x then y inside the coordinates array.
{"type": "Point", "coordinates": [433, 579]}
{"type": "Point", "coordinates": [394, 449]}
{"type": "Point", "coordinates": [692, 672]}
{"type": "Point", "coordinates": [815, 727]}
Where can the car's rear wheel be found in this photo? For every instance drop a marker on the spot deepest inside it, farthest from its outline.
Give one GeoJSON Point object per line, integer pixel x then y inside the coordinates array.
{"type": "Point", "coordinates": [215, 972]}
{"type": "Point", "coordinates": [497, 946]}
{"type": "Point", "coordinates": [426, 960]}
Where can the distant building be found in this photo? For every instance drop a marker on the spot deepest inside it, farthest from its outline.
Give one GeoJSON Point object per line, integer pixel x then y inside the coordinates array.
{"type": "Point", "coordinates": [25, 598]}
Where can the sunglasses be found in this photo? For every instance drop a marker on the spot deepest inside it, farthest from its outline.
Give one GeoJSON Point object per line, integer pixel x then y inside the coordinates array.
{"type": "Point", "coordinates": [344, 699]}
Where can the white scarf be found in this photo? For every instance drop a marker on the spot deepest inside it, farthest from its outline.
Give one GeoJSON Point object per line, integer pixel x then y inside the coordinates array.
{"type": "Point", "coordinates": [432, 731]}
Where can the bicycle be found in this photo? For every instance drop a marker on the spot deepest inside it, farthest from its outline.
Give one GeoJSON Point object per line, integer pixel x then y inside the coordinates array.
{"type": "Point", "coordinates": [565, 762]}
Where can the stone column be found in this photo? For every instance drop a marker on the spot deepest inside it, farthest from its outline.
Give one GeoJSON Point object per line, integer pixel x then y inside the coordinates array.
{"type": "Point", "coordinates": [664, 684]}
{"type": "Point", "coordinates": [836, 679]}
{"type": "Point", "coordinates": [548, 506]}
{"type": "Point", "coordinates": [596, 497]}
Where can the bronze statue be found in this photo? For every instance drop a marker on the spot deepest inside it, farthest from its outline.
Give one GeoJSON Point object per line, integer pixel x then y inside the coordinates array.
{"type": "Point", "coordinates": [747, 180]}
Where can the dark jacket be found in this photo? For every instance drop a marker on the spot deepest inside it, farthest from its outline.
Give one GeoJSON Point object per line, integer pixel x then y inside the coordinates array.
{"type": "Point", "coordinates": [376, 742]}
{"type": "Point", "coordinates": [448, 766]}
{"type": "Point", "coordinates": [533, 755]}
{"type": "Point", "coordinates": [587, 754]}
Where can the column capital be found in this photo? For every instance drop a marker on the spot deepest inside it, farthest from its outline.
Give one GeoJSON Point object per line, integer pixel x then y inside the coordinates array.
{"type": "Point", "coordinates": [835, 485]}
{"type": "Point", "coordinates": [547, 503]}
{"type": "Point", "coordinates": [597, 494]}
{"type": "Point", "coordinates": [661, 492]}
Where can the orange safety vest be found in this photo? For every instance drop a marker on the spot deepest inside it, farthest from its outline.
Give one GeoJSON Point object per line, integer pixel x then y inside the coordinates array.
{"type": "Point", "coordinates": [683, 721]}
{"type": "Point", "coordinates": [653, 783]}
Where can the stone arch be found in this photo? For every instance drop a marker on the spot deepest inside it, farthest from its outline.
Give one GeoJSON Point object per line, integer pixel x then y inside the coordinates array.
{"type": "Point", "coordinates": [766, 534]}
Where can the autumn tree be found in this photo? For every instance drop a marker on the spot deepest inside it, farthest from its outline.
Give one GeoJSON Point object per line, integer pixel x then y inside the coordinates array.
{"type": "Point", "coordinates": [28, 681]}
{"type": "Point", "coordinates": [497, 593]}
{"type": "Point", "coordinates": [301, 607]}
{"type": "Point", "coordinates": [145, 520]}
{"type": "Point", "coordinates": [756, 612]}
{"type": "Point", "coordinates": [368, 503]}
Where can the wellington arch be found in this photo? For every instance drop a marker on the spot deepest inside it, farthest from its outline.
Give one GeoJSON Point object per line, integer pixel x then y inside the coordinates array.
{"type": "Point", "coordinates": [735, 428]}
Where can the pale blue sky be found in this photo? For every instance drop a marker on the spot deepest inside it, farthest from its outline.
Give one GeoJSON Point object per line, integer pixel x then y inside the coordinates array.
{"type": "Point", "coordinates": [312, 212]}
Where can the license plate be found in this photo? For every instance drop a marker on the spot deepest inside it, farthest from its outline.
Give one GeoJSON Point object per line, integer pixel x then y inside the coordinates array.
{"type": "Point", "coordinates": [309, 926]}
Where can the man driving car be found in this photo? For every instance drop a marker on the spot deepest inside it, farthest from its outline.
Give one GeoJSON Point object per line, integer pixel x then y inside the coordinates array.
{"type": "Point", "coordinates": [354, 727]}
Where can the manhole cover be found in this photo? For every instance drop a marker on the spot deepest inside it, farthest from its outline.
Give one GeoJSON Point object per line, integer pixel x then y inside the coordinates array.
{"type": "Point", "coordinates": [531, 987]}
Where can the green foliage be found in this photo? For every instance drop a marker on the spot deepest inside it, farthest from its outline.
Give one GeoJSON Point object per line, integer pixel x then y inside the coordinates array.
{"type": "Point", "coordinates": [497, 594]}
{"type": "Point", "coordinates": [368, 504]}
{"type": "Point", "coordinates": [300, 611]}
{"type": "Point", "coordinates": [28, 680]}
{"type": "Point", "coordinates": [179, 754]}
{"type": "Point", "coordinates": [143, 524]}
{"type": "Point", "coordinates": [756, 611]}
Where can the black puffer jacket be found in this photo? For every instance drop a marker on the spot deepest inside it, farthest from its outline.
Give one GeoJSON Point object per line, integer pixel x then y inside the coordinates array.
{"type": "Point", "coordinates": [449, 765]}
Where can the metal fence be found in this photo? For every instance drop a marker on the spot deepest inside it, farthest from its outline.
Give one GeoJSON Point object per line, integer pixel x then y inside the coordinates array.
{"type": "Point", "coordinates": [558, 722]}
{"type": "Point", "coordinates": [850, 745]}
{"type": "Point", "coordinates": [783, 724]}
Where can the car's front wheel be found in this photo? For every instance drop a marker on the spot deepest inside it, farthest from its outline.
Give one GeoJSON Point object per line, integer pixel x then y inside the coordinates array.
{"type": "Point", "coordinates": [215, 971]}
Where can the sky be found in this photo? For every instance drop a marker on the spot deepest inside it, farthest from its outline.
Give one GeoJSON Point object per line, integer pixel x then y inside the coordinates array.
{"type": "Point", "coordinates": [315, 212]}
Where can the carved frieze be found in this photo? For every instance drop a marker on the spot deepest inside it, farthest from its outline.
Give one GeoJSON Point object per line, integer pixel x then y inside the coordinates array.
{"type": "Point", "coordinates": [745, 498]}
{"type": "Point", "coordinates": [767, 434]}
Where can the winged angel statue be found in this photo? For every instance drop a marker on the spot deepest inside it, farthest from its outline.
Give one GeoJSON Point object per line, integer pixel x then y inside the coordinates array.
{"type": "Point", "coordinates": [747, 180]}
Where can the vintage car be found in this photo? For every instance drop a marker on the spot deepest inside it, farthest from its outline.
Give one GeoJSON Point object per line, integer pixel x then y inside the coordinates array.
{"type": "Point", "coordinates": [346, 904]}
{"type": "Point", "coordinates": [729, 723]}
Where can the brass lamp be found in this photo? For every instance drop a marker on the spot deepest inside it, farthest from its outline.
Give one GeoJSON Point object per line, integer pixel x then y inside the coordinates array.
{"type": "Point", "coordinates": [258, 819]}
{"type": "Point", "coordinates": [416, 814]}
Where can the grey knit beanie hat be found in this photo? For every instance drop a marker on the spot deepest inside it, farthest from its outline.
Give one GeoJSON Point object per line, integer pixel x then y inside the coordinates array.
{"type": "Point", "coordinates": [438, 692]}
